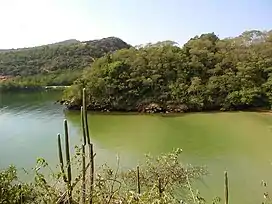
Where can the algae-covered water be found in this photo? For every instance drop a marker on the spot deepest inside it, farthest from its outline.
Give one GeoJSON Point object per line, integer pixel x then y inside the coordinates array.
{"type": "Point", "coordinates": [239, 142]}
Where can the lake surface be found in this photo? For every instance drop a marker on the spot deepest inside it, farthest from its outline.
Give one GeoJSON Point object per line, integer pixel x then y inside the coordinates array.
{"type": "Point", "coordinates": [239, 142]}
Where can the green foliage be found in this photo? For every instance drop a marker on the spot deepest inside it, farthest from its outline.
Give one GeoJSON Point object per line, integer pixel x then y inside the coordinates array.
{"type": "Point", "coordinates": [167, 176]}
{"type": "Point", "coordinates": [59, 78]}
{"type": "Point", "coordinates": [58, 64]}
{"type": "Point", "coordinates": [111, 185]}
{"type": "Point", "coordinates": [207, 73]}
{"type": "Point", "coordinates": [68, 55]}
{"type": "Point", "coordinates": [12, 191]}
{"type": "Point", "coordinates": [117, 186]}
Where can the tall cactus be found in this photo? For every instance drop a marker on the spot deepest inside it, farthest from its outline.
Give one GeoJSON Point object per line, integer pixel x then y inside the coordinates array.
{"type": "Point", "coordinates": [160, 187]}
{"type": "Point", "coordinates": [91, 172]}
{"type": "Point", "coordinates": [83, 125]}
{"type": "Point", "coordinates": [86, 126]}
{"type": "Point", "coordinates": [138, 180]}
{"type": "Point", "coordinates": [61, 160]}
{"type": "Point", "coordinates": [68, 162]}
{"type": "Point", "coordinates": [226, 184]}
{"type": "Point", "coordinates": [67, 176]}
{"type": "Point", "coordinates": [83, 187]}
{"type": "Point", "coordinates": [86, 135]}
{"type": "Point", "coordinates": [83, 175]}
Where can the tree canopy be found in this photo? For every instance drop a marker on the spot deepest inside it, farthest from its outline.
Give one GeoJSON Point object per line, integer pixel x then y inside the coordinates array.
{"type": "Point", "coordinates": [66, 55]}
{"type": "Point", "coordinates": [207, 73]}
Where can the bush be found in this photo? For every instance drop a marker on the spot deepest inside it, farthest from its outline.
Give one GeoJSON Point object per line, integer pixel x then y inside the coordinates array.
{"type": "Point", "coordinates": [160, 179]}
{"type": "Point", "coordinates": [12, 191]}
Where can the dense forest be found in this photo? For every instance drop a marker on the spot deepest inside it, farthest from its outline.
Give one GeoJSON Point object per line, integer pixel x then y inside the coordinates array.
{"type": "Point", "coordinates": [55, 64]}
{"type": "Point", "coordinates": [207, 73]}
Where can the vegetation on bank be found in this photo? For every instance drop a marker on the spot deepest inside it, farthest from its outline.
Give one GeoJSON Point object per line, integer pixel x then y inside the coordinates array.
{"type": "Point", "coordinates": [52, 65]}
{"type": "Point", "coordinates": [162, 180]}
{"type": "Point", "coordinates": [67, 55]}
{"type": "Point", "coordinates": [60, 78]}
{"type": "Point", "coordinates": [207, 73]}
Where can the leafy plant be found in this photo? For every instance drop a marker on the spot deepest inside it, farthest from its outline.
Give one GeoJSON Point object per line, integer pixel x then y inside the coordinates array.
{"type": "Point", "coordinates": [12, 190]}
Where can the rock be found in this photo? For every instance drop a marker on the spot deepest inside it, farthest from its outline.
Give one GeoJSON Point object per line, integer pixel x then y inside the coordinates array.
{"type": "Point", "coordinates": [153, 108]}
{"type": "Point", "coordinates": [176, 108]}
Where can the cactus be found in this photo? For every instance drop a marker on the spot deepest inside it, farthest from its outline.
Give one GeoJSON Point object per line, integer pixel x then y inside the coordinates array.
{"type": "Point", "coordinates": [138, 180]}
{"type": "Point", "coordinates": [83, 126]}
{"type": "Point", "coordinates": [83, 175]}
{"type": "Point", "coordinates": [226, 188]}
{"type": "Point", "coordinates": [68, 163]}
{"type": "Point", "coordinates": [61, 159]}
{"type": "Point", "coordinates": [86, 140]}
{"type": "Point", "coordinates": [85, 116]}
{"type": "Point", "coordinates": [86, 135]}
{"type": "Point", "coordinates": [91, 171]}
{"type": "Point", "coordinates": [83, 156]}
{"type": "Point", "coordinates": [160, 187]}
{"type": "Point", "coordinates": [67, 178]}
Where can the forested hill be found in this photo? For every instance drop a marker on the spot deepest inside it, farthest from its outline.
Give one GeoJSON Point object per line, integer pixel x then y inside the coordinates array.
{"type": "Point", "coordinates": [67, 55]}
{"type": "Point", "coordinates": [207, 73]}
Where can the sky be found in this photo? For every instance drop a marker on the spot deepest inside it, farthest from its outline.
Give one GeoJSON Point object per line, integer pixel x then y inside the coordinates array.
{"type": "Point", "coordinates": [27, 23]}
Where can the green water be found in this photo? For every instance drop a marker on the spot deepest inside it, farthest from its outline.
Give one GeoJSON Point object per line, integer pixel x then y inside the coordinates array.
{"type": "Point", "coordinates": [238, 142]}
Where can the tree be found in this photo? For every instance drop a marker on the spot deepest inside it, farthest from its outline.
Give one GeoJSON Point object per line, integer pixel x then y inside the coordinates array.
{"type": "Point", "coordinates": [207, 73]}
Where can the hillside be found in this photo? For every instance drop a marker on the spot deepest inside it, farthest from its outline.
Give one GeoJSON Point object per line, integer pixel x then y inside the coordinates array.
{"type": "Point", "coordinates": [58, 57]}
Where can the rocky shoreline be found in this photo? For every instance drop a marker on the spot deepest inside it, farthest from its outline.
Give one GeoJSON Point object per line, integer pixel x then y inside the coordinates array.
{"type": "Point", "coordinates": [142, 108]}
{"type": "Point", "coordinates": [151, 108]}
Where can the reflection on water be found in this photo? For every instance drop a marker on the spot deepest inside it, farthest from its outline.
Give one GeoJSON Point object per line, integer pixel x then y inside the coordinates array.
{"type": "Point", "coordinates": [29, 123]}
{"type": "Point", "coordinates": [237, 142]}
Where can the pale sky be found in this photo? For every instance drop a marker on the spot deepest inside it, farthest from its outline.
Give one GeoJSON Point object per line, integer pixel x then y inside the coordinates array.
{"type": "Point", "coordinates": [25, 23]}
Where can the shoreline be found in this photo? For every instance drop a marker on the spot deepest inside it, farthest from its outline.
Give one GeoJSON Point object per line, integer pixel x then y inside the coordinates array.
{"type": "Point", "coordinates": [55, 87]}
{"type": "Point", "coordinates": [168, 113]}
{"type": "Point", "coordinates": [36, 88]}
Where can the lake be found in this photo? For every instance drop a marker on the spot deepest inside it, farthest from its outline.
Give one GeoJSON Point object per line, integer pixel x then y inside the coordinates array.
{"type": "Point", "coordinates": [239, 142]}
